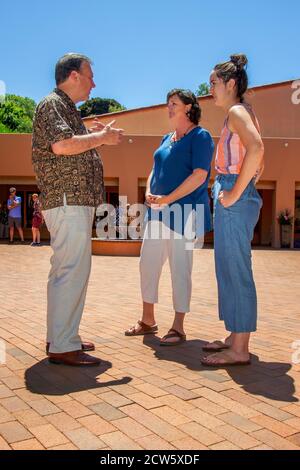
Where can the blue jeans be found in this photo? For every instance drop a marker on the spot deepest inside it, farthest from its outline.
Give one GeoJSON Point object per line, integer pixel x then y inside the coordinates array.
{"type": "Point", "coordinates": [233, 232]}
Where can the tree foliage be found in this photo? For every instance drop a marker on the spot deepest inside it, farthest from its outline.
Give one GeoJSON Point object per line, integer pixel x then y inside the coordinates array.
{"type": "Point", "coordinates": [16, 114]}
{"type": "Point", "coordinates": [4, 129]}
{"type": "Point", "coordinates": [96, 106]}
{"type": "Point", "coordinates": [203, 89]}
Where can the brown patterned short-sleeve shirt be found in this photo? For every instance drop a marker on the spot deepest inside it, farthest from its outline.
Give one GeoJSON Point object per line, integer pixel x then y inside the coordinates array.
{"type": "Point", "coordinates": [79, 177]}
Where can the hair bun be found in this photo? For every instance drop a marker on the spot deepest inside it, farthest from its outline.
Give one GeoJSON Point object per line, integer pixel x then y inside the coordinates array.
{"type": "Point", "coordinates": [240, 60]}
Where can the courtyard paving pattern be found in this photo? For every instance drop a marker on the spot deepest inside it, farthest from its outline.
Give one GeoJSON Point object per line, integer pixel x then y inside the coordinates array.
{"type": "Point", "coordinates": [144, 396]}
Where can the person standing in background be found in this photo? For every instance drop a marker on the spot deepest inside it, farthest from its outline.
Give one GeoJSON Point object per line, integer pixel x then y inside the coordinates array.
{"type": "Point", "coordinates": [14, 205]}
{"type": "Point", "coordinates": [37, 220]}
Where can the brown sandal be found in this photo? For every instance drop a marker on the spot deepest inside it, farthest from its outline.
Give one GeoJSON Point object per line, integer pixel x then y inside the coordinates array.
{"type": "Point", "coordinates": [173, 334]}
{"type": "Point", "coordinates": [145, 329]}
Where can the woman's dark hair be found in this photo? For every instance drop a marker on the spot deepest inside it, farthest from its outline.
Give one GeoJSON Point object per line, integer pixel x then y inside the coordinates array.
{"type": "Point", "coordinates": [187, 97]}
{"type": "Point", "coordinates": [234, 68]}
{"type": "Point", "coordinates": [67, 63]}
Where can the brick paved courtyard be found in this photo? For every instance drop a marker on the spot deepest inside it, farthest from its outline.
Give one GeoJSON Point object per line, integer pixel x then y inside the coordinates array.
{"type": "Point", "coordinates": [144, 396]}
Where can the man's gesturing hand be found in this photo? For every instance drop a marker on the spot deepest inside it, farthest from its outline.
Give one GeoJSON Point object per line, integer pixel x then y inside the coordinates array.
{"type": "Point", "coordinates": [100, 134]}
{"type": "Point", "coordinates": [111, 135]}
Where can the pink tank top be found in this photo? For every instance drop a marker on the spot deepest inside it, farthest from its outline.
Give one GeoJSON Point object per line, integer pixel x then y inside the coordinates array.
{"type": "Point", "coordinates": [230, 150]}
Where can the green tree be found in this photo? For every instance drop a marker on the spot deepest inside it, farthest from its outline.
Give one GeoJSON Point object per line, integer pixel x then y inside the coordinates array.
{"type": "Point", "coordinates": [11, 115]}
{"type": "Point", "coordinates": [4, 129]}
{"type": "Point", "coordinates": [96, 106]}
{"type": "Point", "coordinates": [16, 114]}
{"type": "Point", "coordinates": [203, 89]}
{"type": "Point", "coordinates": [27, 104]}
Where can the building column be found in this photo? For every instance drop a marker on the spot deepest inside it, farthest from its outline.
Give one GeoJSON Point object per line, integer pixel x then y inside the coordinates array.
{"type": "Point", "coordinates": [284, 198]}
{"type": "Point", "coordinates": [267, 217]}
{"type": "Point", "coordinates": [128, 186]}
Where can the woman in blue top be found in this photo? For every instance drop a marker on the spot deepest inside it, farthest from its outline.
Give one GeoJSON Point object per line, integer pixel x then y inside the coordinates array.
{"type": "Point", "coordinates": [176, 191]}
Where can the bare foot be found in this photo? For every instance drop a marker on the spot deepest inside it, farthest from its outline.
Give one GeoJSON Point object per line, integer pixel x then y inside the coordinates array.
{"type": "Point", "coordinates": [225, 358]}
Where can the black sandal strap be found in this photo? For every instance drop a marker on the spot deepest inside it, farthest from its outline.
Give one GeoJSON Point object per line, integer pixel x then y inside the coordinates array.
{"type": "Point", "coordinates": [175, 334]}
{"type": "Point", "coordinates": [145, 326]}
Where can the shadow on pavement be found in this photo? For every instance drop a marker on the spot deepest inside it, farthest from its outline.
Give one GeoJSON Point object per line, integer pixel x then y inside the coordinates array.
{"type": "Point", "coordinates": [268, 379]}
{"type": "Point", "coordinates": [49, 379]}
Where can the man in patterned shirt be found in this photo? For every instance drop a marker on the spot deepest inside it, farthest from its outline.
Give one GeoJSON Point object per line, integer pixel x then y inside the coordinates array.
{"type": "Point", "coordinates": [69, 173]}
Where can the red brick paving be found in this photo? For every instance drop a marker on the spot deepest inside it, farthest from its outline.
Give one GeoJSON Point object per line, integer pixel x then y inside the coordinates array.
{"type": "Point", "coordinates": [144, 396]}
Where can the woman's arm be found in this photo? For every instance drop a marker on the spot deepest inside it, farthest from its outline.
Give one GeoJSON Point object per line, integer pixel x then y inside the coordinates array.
{"type": "Point", "coordinates": [150, 198]}
{"type": "Point", "coordinates": [261, 170]}
{"type": "Point", "coordinates": [148, 183]}
{"type": "Point", "coordinates": [192, 182]}
{"type": "Point", "coordinates": [241, 123]}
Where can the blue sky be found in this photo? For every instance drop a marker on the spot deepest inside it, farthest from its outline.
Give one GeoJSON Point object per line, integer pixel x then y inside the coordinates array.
{"type": "Point", "coordinates": [143, 49]}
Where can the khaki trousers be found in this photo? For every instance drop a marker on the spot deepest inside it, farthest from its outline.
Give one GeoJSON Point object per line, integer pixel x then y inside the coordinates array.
{"type": "Point", "coordinates": [70, 229]}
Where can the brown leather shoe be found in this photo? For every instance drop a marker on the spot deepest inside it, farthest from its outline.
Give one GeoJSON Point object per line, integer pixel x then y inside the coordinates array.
{"type": "Point", "coordinates": [85, 346]}
{"type": "Point", "coordinates": [73, 358]}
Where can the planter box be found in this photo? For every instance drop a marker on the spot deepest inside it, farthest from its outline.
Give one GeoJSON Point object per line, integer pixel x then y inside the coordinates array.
{"type": "Point", "coordinates": [116, 247]}
{"type": "Point", "coordinates": [285, 236]}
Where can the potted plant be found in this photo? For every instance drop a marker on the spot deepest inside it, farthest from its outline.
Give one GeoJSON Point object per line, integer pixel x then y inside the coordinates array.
{"type": "Point", "coordinates": [285, 220]}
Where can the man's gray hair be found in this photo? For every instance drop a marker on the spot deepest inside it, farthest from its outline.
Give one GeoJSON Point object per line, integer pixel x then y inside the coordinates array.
{"type": "Point", "coordinates": [67, 63]}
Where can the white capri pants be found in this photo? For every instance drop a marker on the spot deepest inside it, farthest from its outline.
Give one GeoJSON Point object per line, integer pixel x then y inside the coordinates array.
{"type": "Point", "coordinates": [161, 243]}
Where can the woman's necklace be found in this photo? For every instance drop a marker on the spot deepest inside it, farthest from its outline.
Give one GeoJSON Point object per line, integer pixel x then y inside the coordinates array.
{"type": "Point", "coordinates": [174, 138]}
